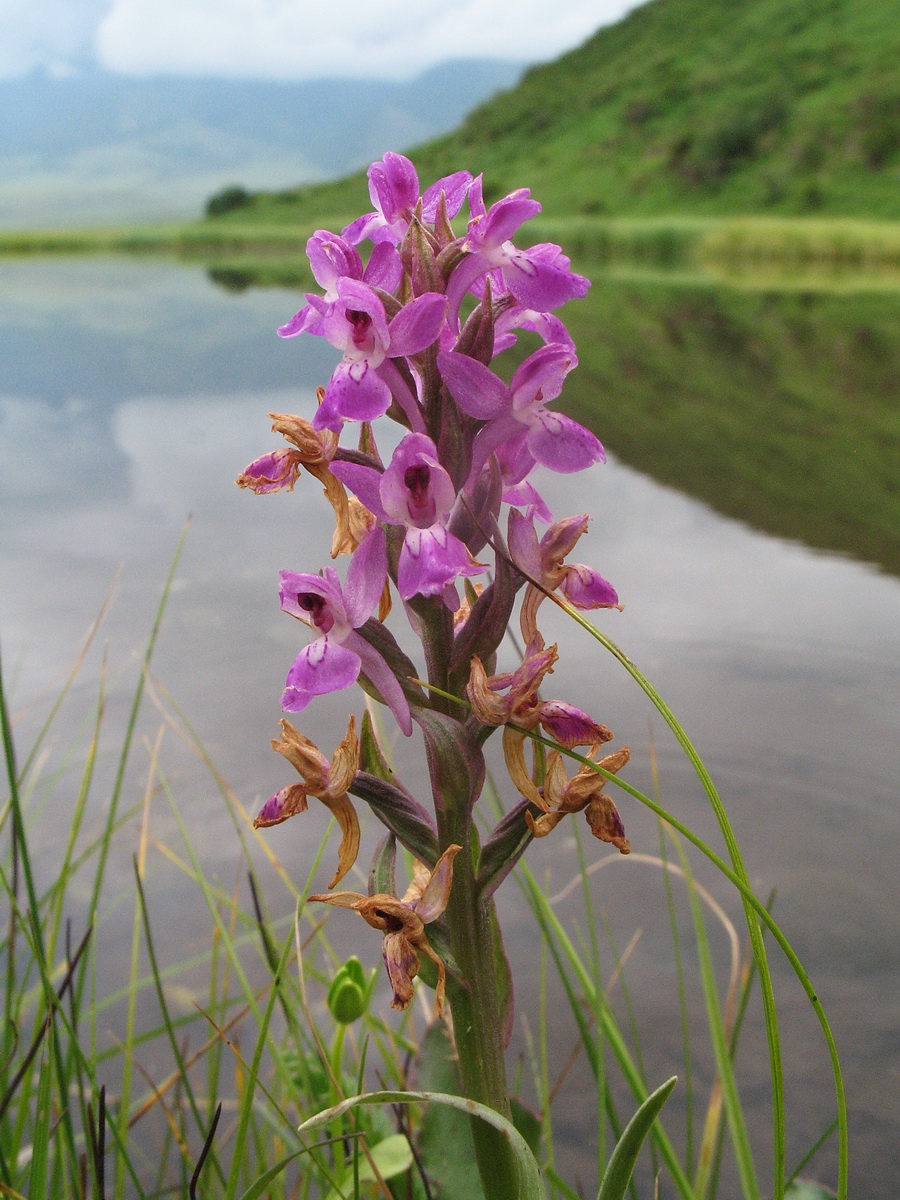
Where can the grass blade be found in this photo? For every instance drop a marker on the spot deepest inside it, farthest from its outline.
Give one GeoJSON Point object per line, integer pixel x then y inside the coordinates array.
{"type": "Point", "coordinates": [624, 1156]}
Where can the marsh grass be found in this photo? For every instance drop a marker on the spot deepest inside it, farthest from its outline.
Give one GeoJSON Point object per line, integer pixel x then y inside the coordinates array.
{"type": "Point", "coordinates": [219, 1055]}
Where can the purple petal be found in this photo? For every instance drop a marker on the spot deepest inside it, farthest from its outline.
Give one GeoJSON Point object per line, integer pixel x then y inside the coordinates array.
{"type": "Point", "coordinates": [569, 725]}
{"type": "Point", "coordinates": [525, 495]}
{"type": "Point", "coordinates": [377, 670]}
{"type": "Point", "coordinates": [403, 394]}
{"type": "Point", "coordinates": [523, 544]}
{"type": "Point", "coordinates": [356, 392]}
{"type": "Point", "coordinates": [363, 482]}
{"type": "Point", "coordinates": [502, 221]}
{"type": "Point", "coordinates": [541, 376]}
{"type": "Point", "coordinates": [417, 324]}
{"type": "Point", "coordinates": [366, 576]}
{"type": "Point", "coordinates": [562, 444]}
{"type": "Point", "coordinates": [585, 588]}
{"type": "Point", "coordinates": [542, 285]}
{"type": "Point", "coordinates": [548, 326]}
{"type": "Point", "coordinates": [494, 436]}
{"type": "Point", "coordinates": [474, 387]}
{"type": "Point", "coordinates": [330, 257]}
{"type": "Point", "coordinates": [393, 186]}
{"type": "Point", "coordinates": [514, 458]}
{"type": "Point", "coordinates": [454, 188]}
{"type": "Point", "coordinates": [307, 320]}
{"type": "Point", "coordinates": [357, 231]}
{"type": "Point", "coordinates": [384, 268]}
{"type": "Point", "coordinates": [323, 666]}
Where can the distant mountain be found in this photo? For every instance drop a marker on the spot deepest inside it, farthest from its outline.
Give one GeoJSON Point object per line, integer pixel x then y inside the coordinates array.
{"type": "Point", "coordinates": [100, 147]}
{"type": "Point", "coordinates": [695, 107]}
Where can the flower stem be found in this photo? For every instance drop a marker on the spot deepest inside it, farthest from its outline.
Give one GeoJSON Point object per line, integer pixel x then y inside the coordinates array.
{"type": "Point", "coordinates": [479, 1025]}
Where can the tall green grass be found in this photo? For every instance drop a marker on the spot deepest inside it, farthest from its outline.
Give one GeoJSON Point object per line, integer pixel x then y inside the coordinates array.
{"type": "Point", "coordinates": [257, 1089]}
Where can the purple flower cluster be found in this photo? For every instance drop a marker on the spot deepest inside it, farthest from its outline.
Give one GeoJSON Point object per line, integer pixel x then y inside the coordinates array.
{"type": "Point", "coordinates": [424, 322]}
{"type": "Point", "coordinates": [421, 325]}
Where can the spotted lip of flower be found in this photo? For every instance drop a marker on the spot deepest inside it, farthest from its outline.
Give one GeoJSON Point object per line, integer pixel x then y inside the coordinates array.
{"type": "Point", "coordinates": [360, 388]}
{"type": "Point", "coordinates": [335, 659]}
{"type": "Point", "coordinates": [403, 924]}
{"type": "Point", "coordinates": [326, 781]}
{"type": "Point", "coordinates": [415, 491]}
{"type": "Point", "coordinates": [582, 793]}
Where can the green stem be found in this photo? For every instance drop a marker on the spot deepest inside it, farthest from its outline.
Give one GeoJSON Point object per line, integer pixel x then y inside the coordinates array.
{"type": "Point", "coordinates": [477, 1005]}
{"type": "Point", "coordinates": [479, 993]}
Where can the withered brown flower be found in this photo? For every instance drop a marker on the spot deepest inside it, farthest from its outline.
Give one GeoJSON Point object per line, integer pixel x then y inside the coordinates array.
{"type": "Point", "coordinates": [326, 781]}
{"type": "Point", "coordinates": [403, 924]}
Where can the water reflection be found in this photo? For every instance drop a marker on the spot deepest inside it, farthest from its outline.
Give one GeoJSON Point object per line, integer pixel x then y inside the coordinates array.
{"type": "Point", "coordinates": [136, 392]}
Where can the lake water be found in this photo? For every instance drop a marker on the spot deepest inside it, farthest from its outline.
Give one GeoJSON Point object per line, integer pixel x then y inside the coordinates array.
{"type": "Point", "coordinates": [131, 395]}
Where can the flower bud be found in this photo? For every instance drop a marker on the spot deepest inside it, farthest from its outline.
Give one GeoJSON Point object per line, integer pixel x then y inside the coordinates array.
{"type": "Point", "coordinates": [348, 996]}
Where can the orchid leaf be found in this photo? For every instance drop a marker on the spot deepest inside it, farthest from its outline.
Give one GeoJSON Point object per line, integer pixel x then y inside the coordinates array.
{"type": "Point", "coordinates": [455, 761]}
{"type": "Point", "coordinates": [445, 1139]}
{"type": "Point", "coordinates": [531, 1184]}
{"type": "Point", "coordinates": [620, 1167]}
{"type": "Point", "coordinates": [486, 625]}
{"type": "Point", "coordinates": [260, 1186]}
{"type": "Point", "coordinates": [506, 844]}
{"type": "Point", "coordinates": [382, 876]}
{"type": "Point", "coordinates": [381, 639]}
{"type": "Point", "coordinates": [371, 758]}
{"type": "Point", "coordinates": [412, 825]}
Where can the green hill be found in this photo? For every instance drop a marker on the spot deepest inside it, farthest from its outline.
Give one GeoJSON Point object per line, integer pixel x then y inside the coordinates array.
{"type": "Point", "coordinates": [689, 107]}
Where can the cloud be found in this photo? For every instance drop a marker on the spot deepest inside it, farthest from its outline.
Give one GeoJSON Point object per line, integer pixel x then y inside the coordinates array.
{"type": "Point", "coordinates": [54, 34]}
{"type": "Point", "coordinates": [296, 39]}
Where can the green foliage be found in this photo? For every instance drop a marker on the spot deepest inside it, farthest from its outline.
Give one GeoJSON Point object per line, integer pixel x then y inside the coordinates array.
{"type": "Point", "coordinates": [622, 1161]}
{"type": "Point", "coordinates": [688, 107]}
{"type": "Point", "coordinates": [228, 200]}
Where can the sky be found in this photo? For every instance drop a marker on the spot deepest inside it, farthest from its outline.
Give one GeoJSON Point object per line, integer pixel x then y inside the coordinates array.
{"type": "Point", "coordinates": [288, 39]}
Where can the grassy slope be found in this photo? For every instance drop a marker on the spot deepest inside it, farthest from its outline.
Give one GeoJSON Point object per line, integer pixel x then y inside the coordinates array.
{"type": "Point", "coordinates": [689, 107]}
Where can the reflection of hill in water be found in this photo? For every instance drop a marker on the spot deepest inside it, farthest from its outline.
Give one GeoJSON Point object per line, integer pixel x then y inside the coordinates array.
{"type": "Point", "coordinates": [781, 409]}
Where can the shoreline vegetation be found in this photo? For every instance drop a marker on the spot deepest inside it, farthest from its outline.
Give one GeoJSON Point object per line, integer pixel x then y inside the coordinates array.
{"type": "Point", "coordinates": [805, 307]}
{"type": "Point", "coordinates": [778, 251]}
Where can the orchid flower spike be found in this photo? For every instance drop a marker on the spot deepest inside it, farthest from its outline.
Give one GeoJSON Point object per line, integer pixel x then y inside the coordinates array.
{"type": "Point", "coordinates": [327, 781]}
{"type": "Point", "coordinates": [582, 793]}
{"type": "Point", "coordinates": [403, 924]}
